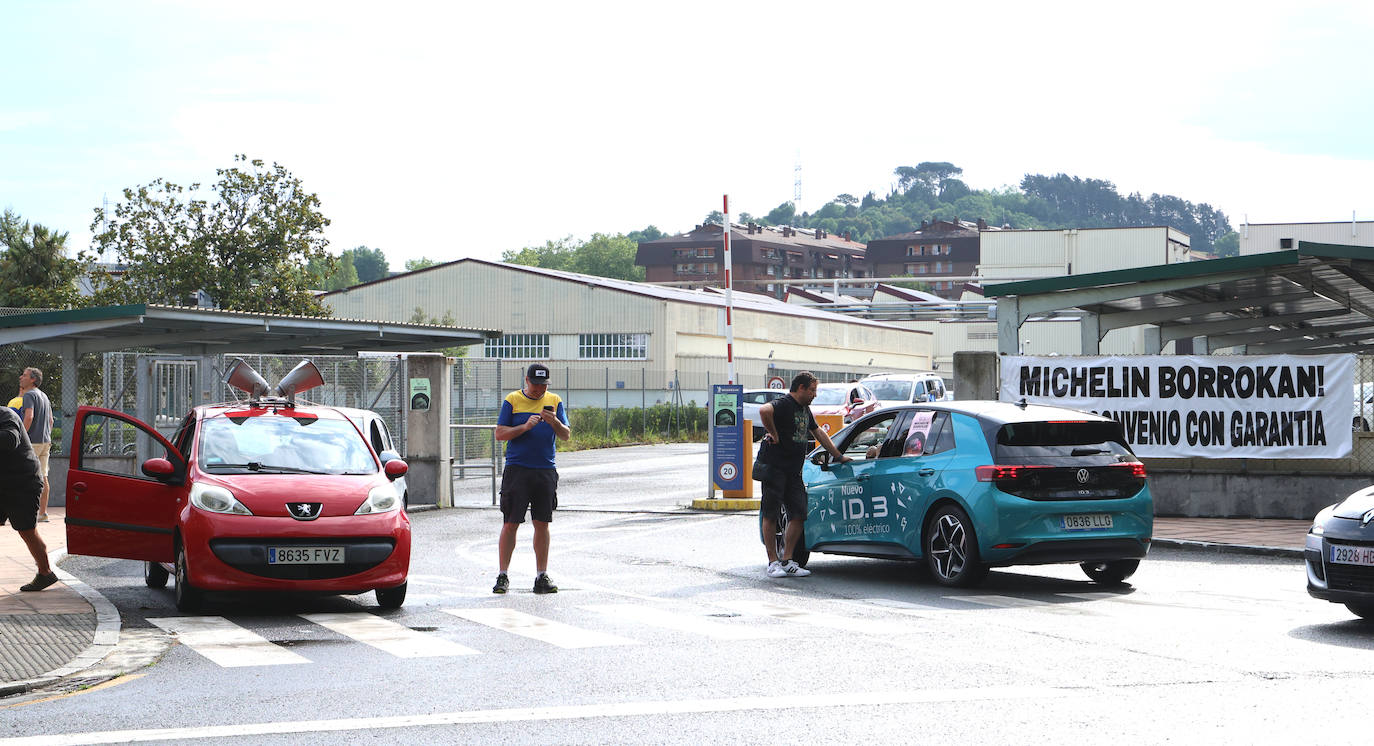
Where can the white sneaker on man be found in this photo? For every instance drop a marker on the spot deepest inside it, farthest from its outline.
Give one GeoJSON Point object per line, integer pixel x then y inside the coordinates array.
{"type": "Point", "coordinates": [774, 569]}
{"type": "Point", "coordinates": [790, 569]}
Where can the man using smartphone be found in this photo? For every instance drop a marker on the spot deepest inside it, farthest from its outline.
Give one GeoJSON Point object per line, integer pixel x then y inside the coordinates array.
{"type": "Point", "coordinates": [531, 420]}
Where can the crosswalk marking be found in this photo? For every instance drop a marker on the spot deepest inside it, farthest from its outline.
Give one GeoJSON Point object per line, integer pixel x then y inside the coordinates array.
{"type": "Point", "coordinates": [818, 619]}
{"type": "Point", "coordinates": [693, 623]}
{"type": "Point", "coordinates": [226, 643]}
{"type": "Point", "coordinates": [388, 636]}
{"type": "Point", "coordinates": [1001, 602]}
{"type": "Point", "coordinates": [538, 628]}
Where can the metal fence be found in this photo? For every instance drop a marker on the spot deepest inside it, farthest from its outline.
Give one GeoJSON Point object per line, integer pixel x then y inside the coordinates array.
{"type": "Point", "coordinates": [161, 389]}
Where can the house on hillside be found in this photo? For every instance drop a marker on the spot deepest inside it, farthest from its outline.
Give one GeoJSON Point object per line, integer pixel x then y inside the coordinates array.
{"type": "Point", "coordinates": [764, 258]}
{"type": "Point", "coordinates": [939, 249]}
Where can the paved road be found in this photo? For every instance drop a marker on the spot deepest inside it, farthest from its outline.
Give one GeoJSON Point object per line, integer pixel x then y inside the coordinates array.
{"type": "Point", "coordinates": [666, 631]}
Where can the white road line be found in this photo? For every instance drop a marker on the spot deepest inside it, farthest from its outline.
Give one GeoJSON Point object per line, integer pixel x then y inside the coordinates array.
{"type": "Point", "coordinates": [818, 619]}
{"type": "Point", "coordinates": [1000, 602]}
{"type": "Point", "coordinates": [226, 643]}
{"type": "Point", "coordinates": [693, 623]}
{"type": "Point", "coordinates": [538, 628]}
{"type": "Point", "coordinates": [388, 636]}
{"type": "Point", "coordinates": [794, 701]}
{"type": "Point", "coordinates": [920, 611]}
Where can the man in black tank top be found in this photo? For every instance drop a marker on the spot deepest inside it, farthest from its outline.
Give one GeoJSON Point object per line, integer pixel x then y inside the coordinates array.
{"type": "Point", "coordinates": [790, 427]}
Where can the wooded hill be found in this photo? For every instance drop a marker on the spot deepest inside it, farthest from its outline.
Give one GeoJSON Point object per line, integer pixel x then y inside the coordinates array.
{"type": "Point", "coordinates": [932, 190]}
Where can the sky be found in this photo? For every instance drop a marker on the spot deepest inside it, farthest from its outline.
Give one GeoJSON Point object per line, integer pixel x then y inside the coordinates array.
{"type": "Point", "coordinates": [451, 130]}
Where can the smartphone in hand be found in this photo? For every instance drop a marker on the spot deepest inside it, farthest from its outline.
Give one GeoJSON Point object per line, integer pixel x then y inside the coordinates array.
{"type": "Point", "coordinates": [548, 409]}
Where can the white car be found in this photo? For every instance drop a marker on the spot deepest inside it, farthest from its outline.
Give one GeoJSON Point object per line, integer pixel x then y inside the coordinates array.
{"type": "Point", "coordinates": [894, 389]}
{"type": "Point", "coordinates": [750, 402]}
{"type": "Point", "coordinates": [378, 436]}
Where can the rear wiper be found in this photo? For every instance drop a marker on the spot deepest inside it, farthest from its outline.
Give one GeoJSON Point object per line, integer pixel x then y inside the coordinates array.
{"type": "Point", "coordinates": [1088, 451]}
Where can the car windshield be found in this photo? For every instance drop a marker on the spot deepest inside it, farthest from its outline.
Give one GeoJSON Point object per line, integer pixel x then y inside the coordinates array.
{"type": "Point", "coordinates": [282, 444]}
{"type": "Point", "coordinates": [829, 397]}
{"type": "Point", "coordinates": [890, 390]}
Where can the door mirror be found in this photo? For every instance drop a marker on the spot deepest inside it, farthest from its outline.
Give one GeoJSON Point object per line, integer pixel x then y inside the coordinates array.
{"type": "Point", "coordinates": [395, 469]}
{"type": "Point", "coordinates": [821, 459]}
{"type": "Point", "coordinates": [159, 468]}
{"type": "Point", "coordinates": [388, 456]}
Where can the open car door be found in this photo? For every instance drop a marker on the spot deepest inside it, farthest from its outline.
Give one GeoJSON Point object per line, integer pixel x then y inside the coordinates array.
{"type": "Point", "coordinates": [115, 506]}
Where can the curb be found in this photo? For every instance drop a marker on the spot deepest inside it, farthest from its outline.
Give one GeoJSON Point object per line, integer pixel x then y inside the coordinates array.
{"type": "Point", "coordinates": [106, 639]}
{"type": "Point", "coordinates": [1220, 548]}
{"type": "Point", "coordinates": [725, 503]}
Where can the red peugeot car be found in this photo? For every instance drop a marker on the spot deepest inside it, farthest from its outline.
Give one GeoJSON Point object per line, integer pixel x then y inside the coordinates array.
{"type": "Point", "coordinates": [261, 495]}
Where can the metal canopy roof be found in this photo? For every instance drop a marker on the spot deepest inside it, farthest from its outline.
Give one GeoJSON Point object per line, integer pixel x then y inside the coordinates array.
{"type": "Point", "coordinates": [201, 331]}
{"type": "Point", "coordinates": [1318, 298]}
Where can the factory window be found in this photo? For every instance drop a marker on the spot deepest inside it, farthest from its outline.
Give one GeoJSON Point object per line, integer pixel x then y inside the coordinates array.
{"type": "Point", "coordinates": [518, 346]}
{"type": "Point", "coordinates": [613, 346]}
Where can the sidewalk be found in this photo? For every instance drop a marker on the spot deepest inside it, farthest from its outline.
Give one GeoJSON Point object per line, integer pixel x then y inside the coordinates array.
{"type": "Point", "coordinates": [58, 632]}
{"type": "Point", "coordinates": [53, 633]}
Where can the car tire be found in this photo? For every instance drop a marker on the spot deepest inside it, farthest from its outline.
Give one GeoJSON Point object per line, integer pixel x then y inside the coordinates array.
{"type": "Point", "coordinates": [1363, 611]}
{"type": "Point", "coordinates": [154, 575]}
{"type": "Point", "coordinates": [1111, 572]}
{"type": "Point", "coordinates": [951, 548]}
{"type": "Point", "coordinates": [800, 553]}
{"type": "Point", "coordinates": [391, 598]}
{"type": "Point", "coordinates": [188, 597]}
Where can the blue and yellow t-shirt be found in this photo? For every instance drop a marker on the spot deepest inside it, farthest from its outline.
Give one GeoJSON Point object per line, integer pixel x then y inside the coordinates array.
{"type": "Point", "coordinates": [534, 449]}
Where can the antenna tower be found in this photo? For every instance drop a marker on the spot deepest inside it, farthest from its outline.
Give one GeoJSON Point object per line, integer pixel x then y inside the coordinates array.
{"type": "Point", "coordinates": [796, 181]}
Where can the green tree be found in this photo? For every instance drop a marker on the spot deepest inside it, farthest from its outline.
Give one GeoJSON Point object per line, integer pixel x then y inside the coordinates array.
{"type": "Point", "coordinates": [1227, 245]}
{"type": "Point", "coordinates": [650, 233]}
{"type": "Point", "coordinates": [38, 273]}
{"type": "Point", "coordinates": [552, 255]}
{"type": "Point", "coordinates": [413, 265]}
{"type": "Point", "coordinates": [847, 199]}
{"type": "Point", "coordinates": [602, 255]}
{"type": "Point", "coordinates": [247, 243]}
{"type": "Point", "coordinates": [783, 214]}
{"type": "Point", "coordinates": [332, 272]}
{"type": "Point", "coordinates": [714, 217]}
{"type": "Point", "coordinates": [370, 264]}
{"type": "Point", "coordinates": [608, 256]}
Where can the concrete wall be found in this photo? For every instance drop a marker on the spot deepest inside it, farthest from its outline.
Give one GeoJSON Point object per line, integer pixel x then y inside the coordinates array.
{"type": "Point", "coordinates": [1228, 495]}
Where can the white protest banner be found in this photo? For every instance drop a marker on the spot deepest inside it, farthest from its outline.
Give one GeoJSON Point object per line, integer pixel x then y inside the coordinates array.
{"type": "Point", "coordinates": [1182, 406]}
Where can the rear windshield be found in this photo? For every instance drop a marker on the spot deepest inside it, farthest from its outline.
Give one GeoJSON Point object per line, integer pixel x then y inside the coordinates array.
{"type": "Point", "coordinates": [890, 390]}
{"type": "Point", "coordinates": [1030, 441]}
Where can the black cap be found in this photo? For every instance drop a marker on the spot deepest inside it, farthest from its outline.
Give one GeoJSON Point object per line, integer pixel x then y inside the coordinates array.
{"type": "Point", "coordinates": [538, 373]}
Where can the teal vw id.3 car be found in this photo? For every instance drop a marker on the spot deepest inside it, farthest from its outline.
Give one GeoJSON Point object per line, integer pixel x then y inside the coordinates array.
{"type": "Point", "coordinates": [965, 486]}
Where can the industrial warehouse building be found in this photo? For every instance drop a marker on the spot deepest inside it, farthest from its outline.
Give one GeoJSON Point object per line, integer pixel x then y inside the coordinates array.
{"type": "Point", "coordinates": [624, 343]}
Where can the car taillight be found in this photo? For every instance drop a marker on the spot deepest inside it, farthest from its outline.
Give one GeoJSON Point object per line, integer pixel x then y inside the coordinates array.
{"type": "Point", "coordinates": [1001, 473]}
{"type": "Point", "coordinates": [1137, 468]}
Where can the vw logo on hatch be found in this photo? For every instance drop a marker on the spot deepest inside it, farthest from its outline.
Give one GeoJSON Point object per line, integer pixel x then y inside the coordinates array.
{"type": "Point", "coordinates": [1082, 476]}
{"type": "Point", "coordinates": [304, 511]}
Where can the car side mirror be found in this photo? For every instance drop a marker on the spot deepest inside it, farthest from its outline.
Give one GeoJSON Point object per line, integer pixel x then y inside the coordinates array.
{"type": "Point", "coordinates": [822, 459]}
{"type": "Point", "coordinates": [159, 468]}
{"type": "Point", "coordinates": [387, 456]}
{"type": "Point", "coordinates": [395, 469]}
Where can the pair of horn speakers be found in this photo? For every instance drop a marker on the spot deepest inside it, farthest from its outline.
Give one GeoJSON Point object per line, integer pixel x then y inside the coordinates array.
{"type": "Point", "coordinates": [303, 377]}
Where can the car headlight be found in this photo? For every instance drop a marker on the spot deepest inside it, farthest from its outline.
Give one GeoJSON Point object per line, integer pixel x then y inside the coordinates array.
{"type": "Point", "coordinates": [216, 499]}
{"type": "Point", "coordinates": [381, 499]}
{"type": "Point", "coordinates": [1319, 523]}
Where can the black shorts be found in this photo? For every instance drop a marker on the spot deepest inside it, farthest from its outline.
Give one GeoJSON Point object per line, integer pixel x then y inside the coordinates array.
{"type": "Point", "coordinates": [523, 488]}
{"type": "Point", "coordinates": [20, 509]}
{"type": "Point", "coordinates": [784, 490]}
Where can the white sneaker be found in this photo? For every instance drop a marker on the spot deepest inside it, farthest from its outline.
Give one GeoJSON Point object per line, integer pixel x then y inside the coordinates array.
{"type": "Point", "coordinates": [791, 569]}
{"type": "Point", "coordinates": [775, 570]}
